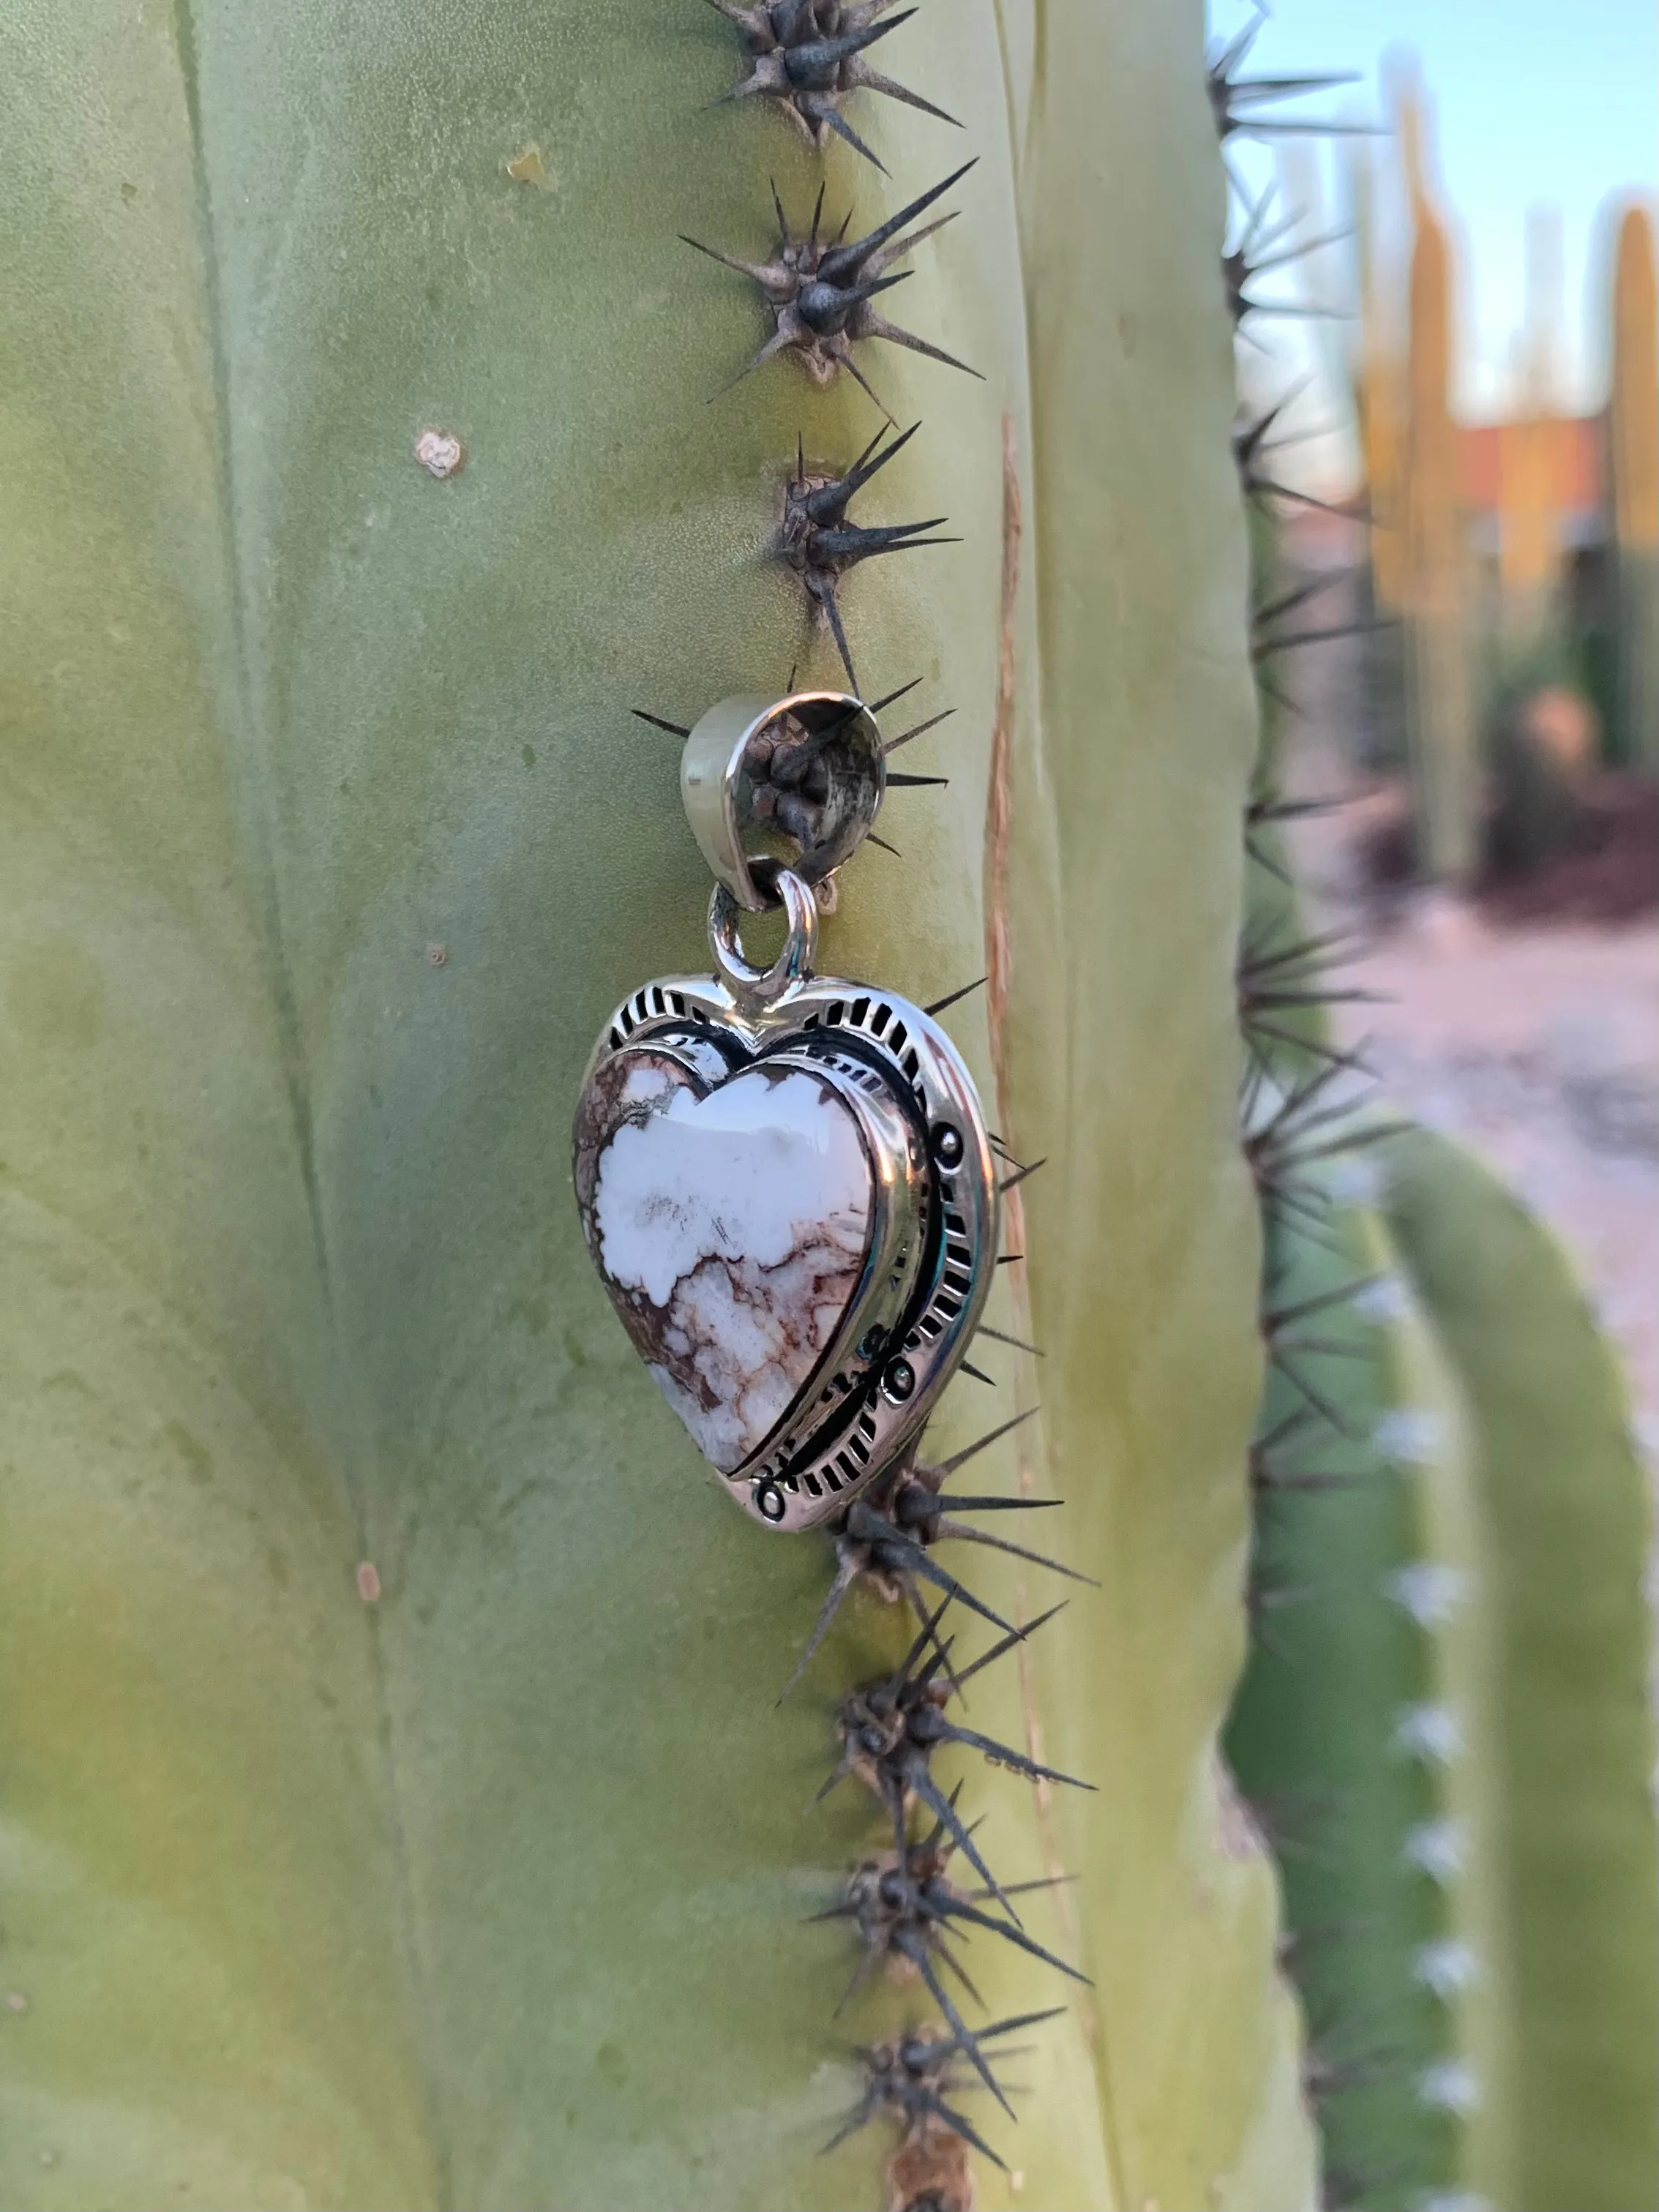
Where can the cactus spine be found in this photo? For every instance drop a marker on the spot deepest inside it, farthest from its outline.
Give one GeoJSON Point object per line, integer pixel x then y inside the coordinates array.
{"type": "Point", "coordinates": [1634, 472]}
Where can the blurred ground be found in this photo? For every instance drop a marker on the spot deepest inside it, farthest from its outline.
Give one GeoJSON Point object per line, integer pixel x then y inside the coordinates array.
{"type": "Point", "coordinates": [1539, 1047]}
{"type": "Point", "coordinates": [1535, 1042]}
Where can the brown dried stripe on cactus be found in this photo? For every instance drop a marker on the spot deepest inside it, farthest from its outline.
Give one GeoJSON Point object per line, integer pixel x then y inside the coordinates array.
{"type": "Point", "coordinates": [807, 55]}
{"type": "Point", "coordinates": [821, 293]}
{"type": "Point", "coordinates": [818, 541]}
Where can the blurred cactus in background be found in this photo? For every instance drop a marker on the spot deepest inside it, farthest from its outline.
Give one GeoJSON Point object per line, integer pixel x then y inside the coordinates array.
{"type": "Point", "coordinates": [1530, 451]}
{"type": "Point", "coordinates": [1444, 1729]}
{"type": "Point", "coordinates": [1376, 380]}
{"type": "Point", "coordinates": [1521, 554]}
{"type": "Point", "coordinates": [1543, 1674]}
{"type": "Point", "coordinates": [1441, 740]}
{"type": "Point", "coordinates": [1633, 482]}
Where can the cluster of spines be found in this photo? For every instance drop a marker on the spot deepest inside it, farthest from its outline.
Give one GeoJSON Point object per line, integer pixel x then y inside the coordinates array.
{"type": "Point", "coordinates": [819, 540]}
{"type": "Point", "coordinates": [1240, 104]}
{"type": "Point", "coordinates": [1309, 1122]}
{"type": "Point", "coordinates": [807, 57]}
{"type": "Point", "coordinates": [901, 1901]}
{"type": "Point", "coordinates": [822, 292]}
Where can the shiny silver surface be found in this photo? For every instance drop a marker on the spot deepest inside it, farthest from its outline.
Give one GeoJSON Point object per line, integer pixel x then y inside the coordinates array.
{"type": "Point", "coordinates": [798, 779]}
{"type": "Point", "coordinates": [935, 1212]}
{"type": "Point", "coordinates": [755, 989]}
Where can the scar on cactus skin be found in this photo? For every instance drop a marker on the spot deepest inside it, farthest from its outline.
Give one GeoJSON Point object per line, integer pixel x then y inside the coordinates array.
{"type": "Point", "coordinates": [807, 55]}
{"type": "Point", "coordinates": [441, 454]}
{"type": "Point", "coordinates": [822, 294]}
{"type": "Point", "coordinates": [929, 2173]}
{"type": "Point", "coordinates": [820, 543]}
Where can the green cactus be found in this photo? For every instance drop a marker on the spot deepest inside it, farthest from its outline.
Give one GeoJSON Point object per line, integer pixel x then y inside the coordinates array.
{"type": "Point", "coordinates": [397, 1811]}
{"type": "Point", "coordinates": [1561, 1731]}
{"type": "Point", "coordinates": [1449, 1750]}
{"type": "Point", "coordinates": [1323, 1737]}
{"type": "Point", "coordinates": [1444, 1723]}
{"type": "Point", "coordinates": [1634, 472]}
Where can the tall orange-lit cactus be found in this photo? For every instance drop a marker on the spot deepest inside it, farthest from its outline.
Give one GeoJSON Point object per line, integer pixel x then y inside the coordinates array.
{"type": "Point", "coordinates": [1376, 390]}
{"type": "Point", "coordinates": [1633, 478]}
{"type": "Point", "coordinates": [1440, 729]}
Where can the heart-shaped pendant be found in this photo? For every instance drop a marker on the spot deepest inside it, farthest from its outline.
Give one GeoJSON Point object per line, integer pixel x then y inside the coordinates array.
{"type": "Point", "coordinates": [788, 1187]}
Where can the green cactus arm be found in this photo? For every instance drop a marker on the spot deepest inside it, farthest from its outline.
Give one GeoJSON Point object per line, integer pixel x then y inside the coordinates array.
{"type": "Point", "coordinates": [1323, 1735]}
{"type": "Point", "coordinates": [1145, 735]}
{"type": "Point", "coordinates": [396, 1811]}
{"type": "Point", "coordinates": [1566, 1530]}
{"type": "Point", "coordinates": [1446, 1587]}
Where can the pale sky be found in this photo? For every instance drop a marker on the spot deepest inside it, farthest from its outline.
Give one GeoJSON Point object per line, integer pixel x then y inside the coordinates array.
{"type": "Point", "coordinates": [1534, 102]}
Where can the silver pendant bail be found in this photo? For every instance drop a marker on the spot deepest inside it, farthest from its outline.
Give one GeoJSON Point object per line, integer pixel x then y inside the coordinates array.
{"type": "Point", "coordinates": [798, 780]}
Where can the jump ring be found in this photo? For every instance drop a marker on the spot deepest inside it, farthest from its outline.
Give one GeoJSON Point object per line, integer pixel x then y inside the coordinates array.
{"type": "Point", "coordinates": [757, 987]}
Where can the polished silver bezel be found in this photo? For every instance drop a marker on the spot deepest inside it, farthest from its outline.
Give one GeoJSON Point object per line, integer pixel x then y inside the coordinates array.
{"type": "Point", "coordinates": [934, 1241]}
